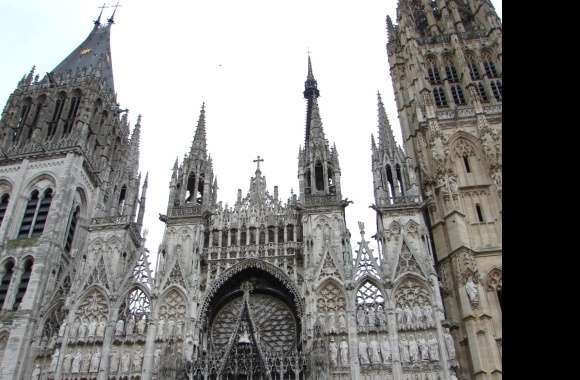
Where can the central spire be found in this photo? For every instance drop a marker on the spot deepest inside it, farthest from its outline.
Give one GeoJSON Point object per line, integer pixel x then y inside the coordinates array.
{"type": "Point", "coordinates": [199, 140]}
{"type": "Point", "coordinates": [311, 93]}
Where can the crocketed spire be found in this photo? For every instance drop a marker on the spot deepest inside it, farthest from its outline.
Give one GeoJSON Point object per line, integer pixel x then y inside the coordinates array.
{"type": "Point", "coordinates": [386, 137]}
{"type": "Point", "coordinates": [199, 140]}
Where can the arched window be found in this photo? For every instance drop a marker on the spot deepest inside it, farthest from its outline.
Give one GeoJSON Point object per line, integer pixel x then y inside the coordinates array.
{"type": "Point", "coordinates": [3, 206]}
{"type": "Point", "coordinates": [39, 105]}
{"type": "Point", "coordinates": [5, 282]}
{"type": "Point", "coordinates": [457, 93]}
{"type": "Point", "coordinates": [72, 228]}
{"type": "Point", "coordinates": [331, 185]}
{"type": "Point", "coordinates": [24, 279]}
{"type": "Point", "coordinates": [224, 237]}
{"type": "Point", "coordinates": [489, 66]}
{"type": "Point", "coordinates": [400, 179]}
{"type": "Point", "coordinates": [473, 68]}
{"type": "Point", "coordinates": [200, 186]}
{"type": "Point", "coordinates": [280, 234]}
{"type": "Point", "coordinates": [262, 236]}
{"type": "Point", "coordinates": [72, 112]}
{"type": "Point", "coordinates": [290, 232]}
{"type": "Point", "coordinates": [319, 176]}
{"type": "Point", "coordinates": [243, 235]}
{"type": "Point", "coordinates": [53, 123]}
{"type": "Point", "coordinates": [466, 163]}
{"type": "Point", "coordinates": [479, 213]}
{"type": "Point", "coordinates": [369, 295]}
{"type": "Point", "coordinates": [24, 111]}
{"type": "Point", "coordinates": [190, 192]}
{"type": "Point", "coordinates": [206, 239]}
{"type": "Point", "coordinates": [482, 93]}
{"type": "Point", "coordinates": [122, 196]}
{"type": "Point", "coordinates": [252, 235]}
{"type": "Point", "coordinates": [439, 96]}
{"type": "Point", "coordinates": [308, 188]}
{"type": "Point", "coordinates": [136, 307]}
{"type": "Point", "coordinates": [496, 88]}
{"type": "Point", "coordinates": [450, 70]}
{"type": "Point", "coordinates": [233, 237]}
{"type": "Point", "coordinates": [391, 182]}
{"type": "Point", "coordinates": [42, 213]}
{"type": "Point", "coordinates": [433, 71]}
{"type": "Point", "coordinates": [271, 234]}
{"type": "Point", "coordinates": [215, 238]}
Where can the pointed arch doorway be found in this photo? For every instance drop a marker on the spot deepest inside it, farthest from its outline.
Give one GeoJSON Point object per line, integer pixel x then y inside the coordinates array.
{"type": "Point", "coordinates": [253, 330]}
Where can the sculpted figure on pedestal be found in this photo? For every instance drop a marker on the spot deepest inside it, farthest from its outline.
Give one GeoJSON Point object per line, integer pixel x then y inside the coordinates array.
{"type": "Point", "coordinates": [361, 318]}
{"type": "Point", "coordinates": [160, 328]}
{"type": "Point", "coordinates": [61, 329]}
{"type": "Point", "coordinates": [342, 323]}
{"type": "Point", "coordinates": [36, 373]}
{"type": "Point", "coordinates": [95, 361]}
{"type": "Point", "coordinates": [156, 358]}
{"type": "Point", "coordinates": [418, 316]}
{"type": "Point", "coordinates": [130, 326]}
{"type": "Point", "coordinates": [54, 360]}
{"type": "Point", "coordinates": [472, 292]}
{"type": "Point", "coordinates": [67, 362]}
{"type": "Point", "coordinates": [137, 360]}
{"type": "Point", "coordinates": [404, 347]}
{"type": "Point", "coordinates": [344, 353]}
{"type": "Point", "coordinates": [333, 347]}
{"type": "Point", "coordinates": [119, 328]}
{"type": "Point", "coordinates": [386, 349]}
{"type": "Point", "coordinates": [141, 326]}
{"type": "Point", "coordinates": [382, 319]}
{"type": "Point", "coordinates": [423, 348]}
{"type": "Point", "coordinates": [433, 348]}
{"type": "Point", "coordinates": [413, 350]}
{"type": "Point", "coordinates": [409, 322]}
{"type": "Point", "coordinates": [76, 363]}
{"type": "Point", "coordinates": [363, 352]}
{"type": "Point", "coordinates": [114, 366]}
{"type": "Point", "coordinates": [428, 315]}
{"type": "Point", "coordinates": [449, 344]}
{"type": "Point", "coordinates": [101, 328]}
{"type": "Point", "coordinates": [374, 348]}
{"type": "Point", "coordinates": [92, 328]}
{"type": "Point", "coordinates": [125, 362]}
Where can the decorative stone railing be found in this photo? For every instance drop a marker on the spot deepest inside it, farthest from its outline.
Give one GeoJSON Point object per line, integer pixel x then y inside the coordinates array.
{"type": "Point", "coordinates": [108, 220]}
{"type": "Point", "coordinates": [404, 200]}
{"type": "Point", "coordinates": [320, 200]}
{"type": "Point", "coordinates": [181, 211]}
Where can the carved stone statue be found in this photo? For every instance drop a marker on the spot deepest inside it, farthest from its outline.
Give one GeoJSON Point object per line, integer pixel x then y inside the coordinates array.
{"type": "Point", "coordinates": [114, 366]}
{"type": "Point", "coordinates": [433, 348]}
{"type": "Point", "coordinates": [374, 348]}
{"type": "Point", "coordinates": [66, 363]}
{"type": "Point", "coordinates": [36, 372]}
{"type": "Point", "coordinates": [418, 314]}
{"type": "Point", "coordinates": [86, 362]}
{"type": "Point", "coordinates": [125, 362]}
{"type": "Point", "coordinates": [76, 363]}
{"type": "Point", "coordinates": [363, 352]}
{"type": "Point", "coordinates": [119, 327]}
{"type": "Point", "coordinates": [54, 360]}
{"type": "Point", "coordinates": [428, 315]}
{"type": "Point", "coordinates": [156, 358]}
{"type": "Point", "coordinates": [344, 353]}
{"type": "Point", "coordinates": [141, 326]}
{"type": "Point", "coordinates": [382, 319]}
{"type": "Point", "coordinates": [342, 323]}
{"type": "Point", "coordinates": [423, 348]}
{"type": "Point", "coordinates": [449, 344]}
{"type": "Point", "coordinates": [74, 332]}
{"type": "Point", "coordinates": [83, 329]}
{"type": "Point", "coordinates": [130, 326]}
{"type": "Point", "coordinates": [404, 346]}
{"type": "Point", "coordinates": [169, 328]}
{"type": "Point", "coordinates": [360, 318]}
{"type": "Point", "coordinates": [408, 318]}
{"type": "Point", "coordinates": [386, 349]}
{"type": "Point", "coordinates": [372, 320]}
{"type": "Point", "coordinates": [413, 350]}
{"type": "Point", "coordinates": [95, 361]}
{"type": "Point", "coordinates": [472, 292]}
{"type": "Point", "coordinates": [333, 347]}
{"type": "Point", "coordinates": [61, 329]}
{"type": "Point", "coordinates": [160, 328]}
{"type": "Point", "coordinates": [400, 317]}
{"type": "Point", "coordinates": [137, 360]}
{"type": "Point", "coordinates": [101, 328]}
{"type": "Point", "coordinates": [92, 328]}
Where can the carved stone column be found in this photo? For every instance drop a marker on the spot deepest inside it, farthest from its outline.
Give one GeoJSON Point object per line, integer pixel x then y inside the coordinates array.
{"type": "Point", "coordinates": [148, 369]}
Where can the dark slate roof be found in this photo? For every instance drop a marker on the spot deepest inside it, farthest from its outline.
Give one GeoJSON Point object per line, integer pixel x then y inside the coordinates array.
{"type": "Point", "coordinates": [95, 51]}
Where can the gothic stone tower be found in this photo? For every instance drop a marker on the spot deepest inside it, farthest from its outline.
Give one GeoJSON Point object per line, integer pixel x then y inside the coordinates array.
{"type": "Point", "coordinates": [445, 60]}
{"type": "Point", "coordinates": [72, 260]}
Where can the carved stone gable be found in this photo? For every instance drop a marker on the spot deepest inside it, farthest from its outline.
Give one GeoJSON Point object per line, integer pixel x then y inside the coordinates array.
{"type": "Point", "coordinates": [328, 269]}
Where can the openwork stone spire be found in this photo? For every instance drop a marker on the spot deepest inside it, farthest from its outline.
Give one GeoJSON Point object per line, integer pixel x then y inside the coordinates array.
{"type": "Point", "coordinates": [386, 137]}
{"type": "Point", "coordinates": [199, 140]}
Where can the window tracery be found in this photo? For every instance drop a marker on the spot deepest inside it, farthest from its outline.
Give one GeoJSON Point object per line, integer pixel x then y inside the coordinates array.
{"type": "Point", "coordinates": [330, 298]}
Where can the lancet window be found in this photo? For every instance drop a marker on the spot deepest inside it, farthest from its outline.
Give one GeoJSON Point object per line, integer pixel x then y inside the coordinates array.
{"type": "Point", "coordinates": [24, 279]}
{"type": "Point", "coordinates": [489, 65]}
{"type": "Point", "coordinates": [39, 104]}
{"type": "Point", "coordinates": [135, 312]}
{"type": "Point", "coordinates": [457, 93]}
{"type": "Point", "coordinates": [72, 228]}
{"type": "Point", "coordinates": [331, 185]}
{"type": "Point", "coordinates": [496, 89]}
{"type": "Point", "coordinates": [3, 206]}
{"type": "Point", "coordinates": [5, 282]}
{"type": "Point", "coordinates": [290, 232]}
{"type": "Point", "coordinates": [35, 214]}
{"type": "Point", "coordinates": [233, 237]}
{"type": "Point", "coordinates": [400, 179]}
{"type": "Point", "coordinates": [24, 111]}
{"type": "Point", "coordinates": [319, 176]}
{"type": "Point", "coordinates": [53, 123]}
{"type": "Point", "coordinates": [473, 68]}
{"type": "Point", "coordinates": [433, 71]}
{"type": "Point", "coordinates": [439, 96]}
{"type": "Point", "coordinates": [72, 112]}
{"type": "Point", "coordinates": [122, 196]}
{"type": "Point", "coordinates": [482, 93]}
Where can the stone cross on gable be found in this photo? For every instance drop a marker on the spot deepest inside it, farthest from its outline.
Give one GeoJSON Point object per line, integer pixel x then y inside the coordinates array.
{"type": "Point", "coordinates": [258, 160]}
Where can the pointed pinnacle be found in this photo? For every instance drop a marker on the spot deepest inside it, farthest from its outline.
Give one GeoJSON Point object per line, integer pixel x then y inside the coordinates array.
{"type": "Point", "coordinates": [199, 139]}
{"type": "Point", "coordinates": [310, 75]}
{"type": "Point", "coordinates": [98, 20]}
{"type": "Point", "coordinates": [316, 130]}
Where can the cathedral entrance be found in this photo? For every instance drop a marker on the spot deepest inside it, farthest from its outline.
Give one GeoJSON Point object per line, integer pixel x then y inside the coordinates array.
{"type": "Point", "coordinates": [253, 330]}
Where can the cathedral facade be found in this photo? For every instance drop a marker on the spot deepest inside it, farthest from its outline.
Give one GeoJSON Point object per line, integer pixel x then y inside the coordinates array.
{"type": "Point", "coordinates": [269, 287]}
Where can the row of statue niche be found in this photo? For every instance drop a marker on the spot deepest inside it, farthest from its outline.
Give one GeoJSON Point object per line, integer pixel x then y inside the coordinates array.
{"type": "Point", "coordinates": [132, 327]}
{"type": "Point", "coordinates": [332, 323]}
{"type": "Point", "coordinates": [85, 328]}
{"type": "Point", "coordinates": [338, 353]}
{"type": "Point", "coordinates": [371, 319]}
{"type": "Point", "coordinates": [376, 351]}
{"type": "Point", "coordinates": [125, 362]}
{"type": "Point", "coordinates": [72, 363]}
{"type": "Point", "coordinates": [169, 328]}
{"type": "Point", "coordinates": [415, 318]}
{"type": "Point", "coordinates": [418, 348]}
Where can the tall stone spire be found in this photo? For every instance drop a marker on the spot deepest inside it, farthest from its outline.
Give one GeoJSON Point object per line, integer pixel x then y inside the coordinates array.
{"type": "Point", "coordinates": [134, 144]}
{"type": "Point", "coordinates": [386, 137]}
{"type": "Point", "coordinates": [316, 132]}
{"type": "Point", "coordinates": [311, 93]}
{"type": "Point", "coordinates": [199, 143]}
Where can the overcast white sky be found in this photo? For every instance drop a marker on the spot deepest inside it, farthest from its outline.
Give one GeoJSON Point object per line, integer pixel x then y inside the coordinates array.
{"type": "Point", "coordinates": [247, 61]}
